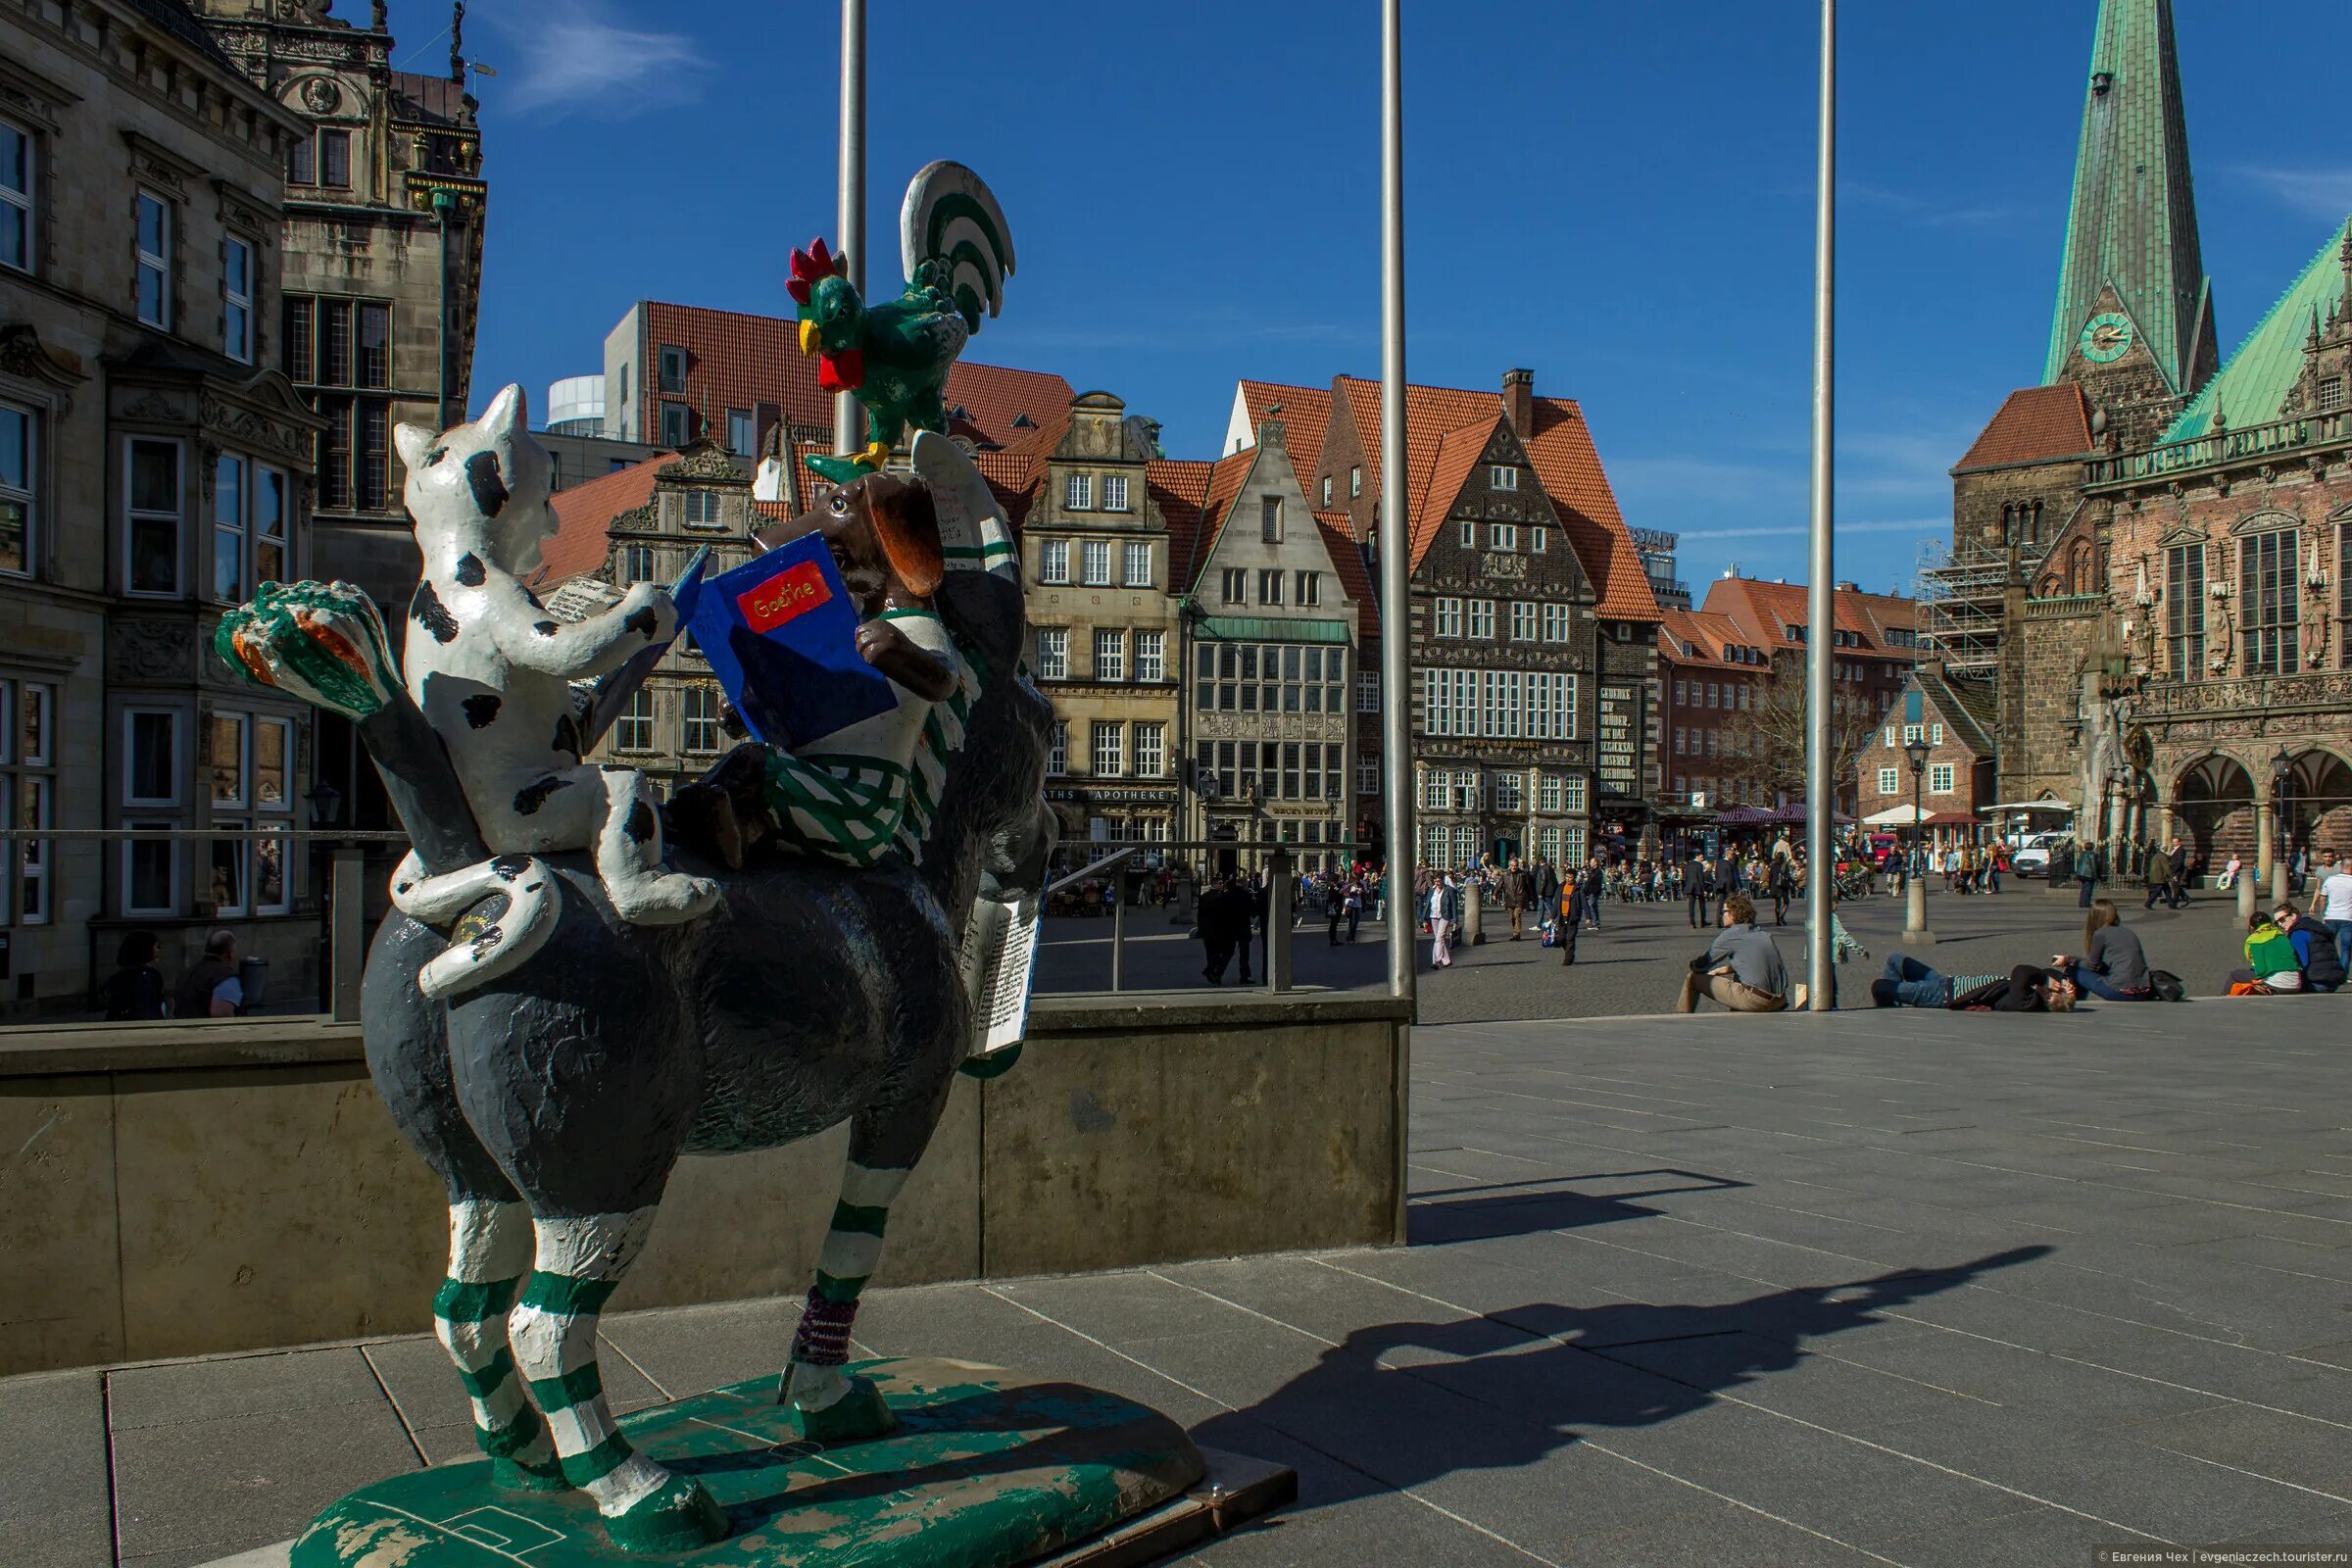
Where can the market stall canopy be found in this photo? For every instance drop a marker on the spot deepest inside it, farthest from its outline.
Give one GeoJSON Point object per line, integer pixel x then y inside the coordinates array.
{"type": "Point", "coordinates": [2038, 807]}
{"type": "Point", "coordinates": [1896, 817]}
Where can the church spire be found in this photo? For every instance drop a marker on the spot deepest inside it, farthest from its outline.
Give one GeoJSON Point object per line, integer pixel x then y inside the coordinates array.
{"type": "Point", "coordinates": [2133, 223]}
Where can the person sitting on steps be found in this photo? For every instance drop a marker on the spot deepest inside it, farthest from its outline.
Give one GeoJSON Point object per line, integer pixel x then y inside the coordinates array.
{"type": "Point", "coordinates": [1742, 969]}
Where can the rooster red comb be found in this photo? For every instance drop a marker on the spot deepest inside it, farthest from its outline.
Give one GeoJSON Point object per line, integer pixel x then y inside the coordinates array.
{"type": "Point", "coordinates": [812, 264]}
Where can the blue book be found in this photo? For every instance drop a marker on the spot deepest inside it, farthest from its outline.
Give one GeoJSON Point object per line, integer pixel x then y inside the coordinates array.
{"type": "Point", "coordinates": [780, 632]}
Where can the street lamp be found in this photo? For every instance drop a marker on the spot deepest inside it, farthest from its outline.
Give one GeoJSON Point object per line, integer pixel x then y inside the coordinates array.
{"type": "Point", "coordinates": [1915, 904]}
{"type": "Point", "coordinates": [2282, 768]}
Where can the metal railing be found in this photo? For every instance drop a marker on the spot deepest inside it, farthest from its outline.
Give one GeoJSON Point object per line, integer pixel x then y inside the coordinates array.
{"type": "Point", "coordinates": [2224, 446]}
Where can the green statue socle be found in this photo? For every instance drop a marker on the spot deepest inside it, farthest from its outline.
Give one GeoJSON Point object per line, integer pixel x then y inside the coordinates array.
{"type": "Point", "coordinates": [894, 358]}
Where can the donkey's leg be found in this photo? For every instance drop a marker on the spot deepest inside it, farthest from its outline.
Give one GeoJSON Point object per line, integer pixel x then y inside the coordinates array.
{"type": "Point", "coordinates": [489, 1252]}
{"type": "Point", "coordinates": [579, 1263]}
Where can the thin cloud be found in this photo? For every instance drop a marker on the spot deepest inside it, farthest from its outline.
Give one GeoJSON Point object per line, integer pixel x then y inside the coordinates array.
{"type": "Point", "coordinates": [1918, 209]}
{"type": "Point", "coordinates": [572, 57]}
{"type": "Point", "coordinates": [1797, 529]}
{"type": "Point", "coordinates": [2320, 192]}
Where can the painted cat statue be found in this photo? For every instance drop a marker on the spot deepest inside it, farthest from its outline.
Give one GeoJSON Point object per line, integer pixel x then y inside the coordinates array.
{"type": "Point", "coordinates": [491, 671]}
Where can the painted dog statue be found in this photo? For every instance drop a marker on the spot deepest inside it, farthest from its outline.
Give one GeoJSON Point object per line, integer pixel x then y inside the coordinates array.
{"type": "Point", "coordinates": [491, 671]}
{"type": "Point", "coordinates": [554, 1101]}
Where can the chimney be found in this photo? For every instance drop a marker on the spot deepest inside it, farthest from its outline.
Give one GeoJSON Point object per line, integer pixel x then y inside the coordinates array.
{"type": "Point", "coordinates": [1519, 401]}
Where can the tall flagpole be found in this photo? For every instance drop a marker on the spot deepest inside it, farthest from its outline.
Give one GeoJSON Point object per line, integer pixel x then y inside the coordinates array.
{"type": "Point", "coordinates": [848, 431]}
{"type": "Point", "coordinates": [1396, 551]}
{"type": "Point", "coordinates": [1821, 641]}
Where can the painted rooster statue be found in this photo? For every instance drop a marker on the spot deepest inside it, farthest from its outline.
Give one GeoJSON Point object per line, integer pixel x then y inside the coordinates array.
{"type": "Point", "coordinates": [894, 358]}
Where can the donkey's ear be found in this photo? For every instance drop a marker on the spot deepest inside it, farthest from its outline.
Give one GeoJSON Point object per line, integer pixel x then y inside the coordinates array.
{"type": "Point", "coordinates": [414, 442]}
{"type": "Point", "coordinates": [508, 413]}
{"type": "Point", "coordinates": [906, 523]}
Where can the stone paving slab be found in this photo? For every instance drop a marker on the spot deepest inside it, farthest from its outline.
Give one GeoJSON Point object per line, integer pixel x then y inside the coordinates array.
{"type": "Point", "coordinates": [1930, 1288]}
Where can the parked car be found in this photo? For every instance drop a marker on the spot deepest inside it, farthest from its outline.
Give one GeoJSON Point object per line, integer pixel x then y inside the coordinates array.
{"type": "Point", "coordinates": [2032, 857]}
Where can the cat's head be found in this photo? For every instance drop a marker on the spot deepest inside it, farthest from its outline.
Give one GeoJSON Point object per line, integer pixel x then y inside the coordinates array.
{"type": "Point", "coordinates": [480, 488]}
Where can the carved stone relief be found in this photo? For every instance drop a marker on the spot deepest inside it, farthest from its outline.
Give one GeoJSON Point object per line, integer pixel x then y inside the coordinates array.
{"type": "Point", "coordinates": [150, 650]}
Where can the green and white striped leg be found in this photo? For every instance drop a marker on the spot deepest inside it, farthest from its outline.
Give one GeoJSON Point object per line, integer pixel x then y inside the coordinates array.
{"type": "Point", "coordinates": [833, 1406]}
{"type": "Point", "coordinates": [579, 1263]}
{"type": "Point", "coordinates": [489, 1250]}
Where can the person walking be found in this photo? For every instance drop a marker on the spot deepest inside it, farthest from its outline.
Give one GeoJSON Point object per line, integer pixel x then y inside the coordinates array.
{"type": "Point", "coordinates": [1353, 899]}
{"type": "Point", "coordinates": [2160, 882]}
{"type": "Point", "coordinates": [1445, 913]}
{"type": "Point", "coordinates": [1592, 885]}
{"type": "Point", "coordinates": [1698, 881]}
{"type": "Point", "coordinates": [1518, 891]}
{"type": "Point", "coordinates": [1214, 923]}
{"type": "Point", "coordinates": [1784, 888]}
{"type": "Point", "coordinates": [1571, 908]}
{"type": "Point", "coordinates": [1335, 908]}
{"type": "Point", "coordinates": [211, 988]}
{"type": "Point", "coordinates": [2087, 871]}
{"type": "Point", "coordinates": [2176, 870]}
{"type": "Point", "coordinates": [2333, 905]}
{"type": "Point", "coordinates": [135, 990]}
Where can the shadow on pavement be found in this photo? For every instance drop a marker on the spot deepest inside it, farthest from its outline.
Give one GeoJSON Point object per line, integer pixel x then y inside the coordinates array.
{"type": "Point", "coordinates": [1378, 1403]}
{"type": "Point", "coordinates": [1509, 1208]}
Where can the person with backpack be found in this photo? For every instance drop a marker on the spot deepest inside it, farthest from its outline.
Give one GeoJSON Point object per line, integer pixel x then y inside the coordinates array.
{"type": "Point", "coordinates": [135, 990]}
{"type": "Point", "coordinates": [2315, 949]}
{"type": "Point", "coordinates": [2087, 871]}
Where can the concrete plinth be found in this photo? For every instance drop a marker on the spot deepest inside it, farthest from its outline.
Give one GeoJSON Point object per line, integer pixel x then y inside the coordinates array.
{"type": "Point", "coordinates": [1473, 916]}
{"type": "Point", "coordinates": [1915, 915]}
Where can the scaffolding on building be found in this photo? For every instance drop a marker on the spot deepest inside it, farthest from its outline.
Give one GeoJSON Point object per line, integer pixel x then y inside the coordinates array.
{"type": "Point", "coordinates": [1960, 598]}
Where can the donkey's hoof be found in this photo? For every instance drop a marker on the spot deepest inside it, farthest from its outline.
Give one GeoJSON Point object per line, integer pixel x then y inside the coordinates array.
{"type": "Point", "coordinates": [858, 1415]}
{"type": "Point", "coordinates": [678, 1517]}
{"type": "Point", "coordinates": [521, 1475]}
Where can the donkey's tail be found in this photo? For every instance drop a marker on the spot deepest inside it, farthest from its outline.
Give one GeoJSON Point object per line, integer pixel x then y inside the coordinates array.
{"type": "Point", "coordinates": [489, 940]}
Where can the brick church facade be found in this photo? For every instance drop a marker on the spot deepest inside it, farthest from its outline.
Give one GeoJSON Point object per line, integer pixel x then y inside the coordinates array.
{"type": "Point", "coordinates": [2156, 533]}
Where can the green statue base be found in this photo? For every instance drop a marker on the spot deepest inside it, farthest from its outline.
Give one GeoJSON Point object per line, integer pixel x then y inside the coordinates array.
{"type": "Point", "coordinates": [986, 1469]}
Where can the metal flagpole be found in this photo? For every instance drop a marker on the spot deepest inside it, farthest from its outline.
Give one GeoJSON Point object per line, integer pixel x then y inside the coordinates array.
{"type": "Point", "coordinates": [1821, 641]}
{"type": "Point", "coordinates": [1395, 550]}
{"type": "Point", "coordinates": [849, 430]}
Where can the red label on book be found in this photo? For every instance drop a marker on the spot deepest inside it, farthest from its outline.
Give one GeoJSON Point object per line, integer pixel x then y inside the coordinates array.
{"type": "Point", "coordinates": [783, 597]}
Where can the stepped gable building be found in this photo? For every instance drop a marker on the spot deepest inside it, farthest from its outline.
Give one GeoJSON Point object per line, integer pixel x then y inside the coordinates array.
{"type": "Point", "coordinates": [1271, 626]}
{"type": "Point", "coordinates": [1955, 719]}
{"type": "Point", "coordinates": [1525, 580]}
{"type": "Point", "coordinates": [671, 369]}
{"type": "Point", "coordinates": [155, 467]}
{"type": "Point", "coordinates": [2156, 526]}
{"type": "Point", "coordinates": [383, 260]}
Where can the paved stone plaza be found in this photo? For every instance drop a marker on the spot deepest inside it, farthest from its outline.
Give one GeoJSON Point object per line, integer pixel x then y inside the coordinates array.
{"type": "Point", "coordinates": [1913, 1288]}
{"type": "Point", "coordinates": [1636, 962]}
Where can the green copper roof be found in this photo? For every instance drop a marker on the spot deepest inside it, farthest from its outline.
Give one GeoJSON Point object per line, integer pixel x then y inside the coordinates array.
{"type": "Point", "coordinates": [1272, 629]}
{"type": "Point", "coordinates": [2133, 222]}
{"type": "Point", "coordinates": [2252, 387]}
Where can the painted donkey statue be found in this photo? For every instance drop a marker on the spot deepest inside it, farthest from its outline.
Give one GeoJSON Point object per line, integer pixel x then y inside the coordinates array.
{"type": "Point", "coordinates": [554, 1099]}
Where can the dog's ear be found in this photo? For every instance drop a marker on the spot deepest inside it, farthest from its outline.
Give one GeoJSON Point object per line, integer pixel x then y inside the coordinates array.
{"type": "Point", "coordinates": [908, 525]}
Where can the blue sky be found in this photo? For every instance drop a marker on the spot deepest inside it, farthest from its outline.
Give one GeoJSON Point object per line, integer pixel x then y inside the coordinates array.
{"type": "Point", "coordinates": [1622, 204]}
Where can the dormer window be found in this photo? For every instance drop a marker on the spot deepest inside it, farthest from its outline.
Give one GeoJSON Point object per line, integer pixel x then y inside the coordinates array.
{"type": "Point", "coordinates": [1500, 478]}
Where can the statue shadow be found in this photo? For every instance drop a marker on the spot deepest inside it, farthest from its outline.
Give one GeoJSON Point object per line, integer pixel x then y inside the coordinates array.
{"type": "Point", "coordinates": [1497, 1209]}
{"type": "Point", "coordinates": [1412, 1402]}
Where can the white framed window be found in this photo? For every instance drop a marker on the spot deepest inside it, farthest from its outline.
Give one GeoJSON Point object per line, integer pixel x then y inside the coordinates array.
{"type": "Point", "coordinates": [1679, 737]}
{"type": "Point", "coordinates": [1110, 655]}
{"type": "Point", "coordinates": [151, 532]}
{"type": "Point", "coordinates": [19, 232]}
{"type": "Point", "coordinates": [1052, 652]}
{"type": "Point", "coordinates": [1136, 566]}
{"type": "Point", "coordinates": [19, 513]}
{"type": "Point", "coordinates": [249, 765]}
{"type": "Point", "coordinates": [237, 300]}
{"type": "Point", "coordinates": [249, 526]}
{"type": "Point", "coordinates": [226, 763]}
{"type": "Point", "coordinates": [1934, 734]}
{"type": "Point", "coordinates": [703, 510]}
{"type": "Point", "coordinates": [1891, 737]}
{"type": "Point", "coordinates": [1308, 586]}
{"type": "Point", "coordinates": [1465, 842]}
{"type": "Point", "coordinates": [1234, 586]}
{"type": "Point", "coordinates": [1150, 749]}
{"type": "Point", "coordinates": [1107, 750]}
{"type": "Point", "coordinates": [1549, 792]}
{"type": "Point", "coordinates": [675, 431]}
{"type": "Point", "coordinates": [1078, 492]}
{"type": "Point", "coordinates": [1053, 562]}
{"type": "Point", "coordinates": [27, 797]}
{"type": "Point", "coordinates": [1503, 536]}
{"type": "Point", "coordinates": [1940, 778]}
{"type": "Point", "coordinates": [1058, 750]}
{"type": "Point", "coordinates": [633, 730]}
{"type": "Point", "coordinates": [1436, 790]}
{"type": "Point", "coordinates": [151, 774]}
{"type": "Point", "coordinates": [1327, 491]}
{"type": "Point", "coordinates": [1114, 492]}
{"type": "Point", "coordinates": [1367, 776]}
{"type": "Point", "coordinates": [1150, 656]}
{"type": "Point", "coordinates": [670, 368]}
{"type": "Point", "coordinates": [1538, 541]}
{"type": "Point", "coordinates": [738, 432]}
{"type": "Point", "coordinates": [1467, 532]}
{"type": "Point", "coordinates": [1571, 795]}
{"type": "Point", "coordinates": [150, 872]}
{"type": "Point", "coordinates": [1269, 520]}
{"type": "Point", "coordinates": [1502, 477]}
{"type": "Point", "coordinates": [1095, 558]}
{"type": "Point", "coordinates": [1523, 620]}
{"type": "Point", "coordinates": [1891, 781]}
{"type": "Point", "coordinates": [1911, 732]}
{"type": "Point", "coordinates": [1269, 586]}
{"type": "Point", "coordinates": [1448, 618]}
{"type": "Point", "coordinates": [1556, 620]}
{"type": "Point", "coordinates": [1482, 618]}
{"type": "Point", "coordinates": [1510, 793]}
{"type": "Point", "coordinates": [700, 705]}
{"type": "Point", "coordinates": [1367, 691]}
{"type": "Point", "coordinates": [1355, 480]}
{"type": "Point", "coordinates": [1547, 844]}
{"type": "Point", "coordinates": [636, 564]}
{"type": "Point", "coordinates": [153, 285]}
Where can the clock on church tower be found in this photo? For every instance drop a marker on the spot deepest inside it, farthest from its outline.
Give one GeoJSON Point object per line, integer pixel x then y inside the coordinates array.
{"type": "Point", "coordinates": [2104, 337]}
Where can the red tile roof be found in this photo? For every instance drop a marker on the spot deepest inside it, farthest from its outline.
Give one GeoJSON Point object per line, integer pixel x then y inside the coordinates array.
{"type": "Point", "coordinates": [2034, 424]}
{"type": "Point", "coordinates": [1305, 415]}
{"type": "Point", "coordinates": [1765, 610]}
{"type": "Point", "coordinates": [1449, 470]}
{"type": "Point", "coordinates": [1355, 578]}
{"type": "Point", "coordinates": [739, 360]}
{"type": "Point", "coordinates": [1225, 477]}
{"type": "Point", "coordinates": [1013, 479]}
{"type": "Point", "coordinates": [1704, 633]}
{"type": "Point", "coordinates": [1560, 449]}
{"type": "Point", "coordinates": [585, 514]}
{"type": "Point", "coordinates": [1180, 488]}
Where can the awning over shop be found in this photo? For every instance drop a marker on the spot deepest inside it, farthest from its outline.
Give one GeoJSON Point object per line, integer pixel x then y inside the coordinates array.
{"type": "Point", "coordinates": [1270, 629]}
{"type": "Point", "coordinates": [1895, 816]}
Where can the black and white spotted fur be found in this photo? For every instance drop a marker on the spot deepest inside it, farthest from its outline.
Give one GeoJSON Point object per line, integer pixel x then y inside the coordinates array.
{"type": "Point", "coordinates": [491, 671]}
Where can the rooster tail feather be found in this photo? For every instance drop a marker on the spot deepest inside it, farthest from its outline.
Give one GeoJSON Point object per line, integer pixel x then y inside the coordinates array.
{"type": "Point", "coordinates": [953, 236]}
